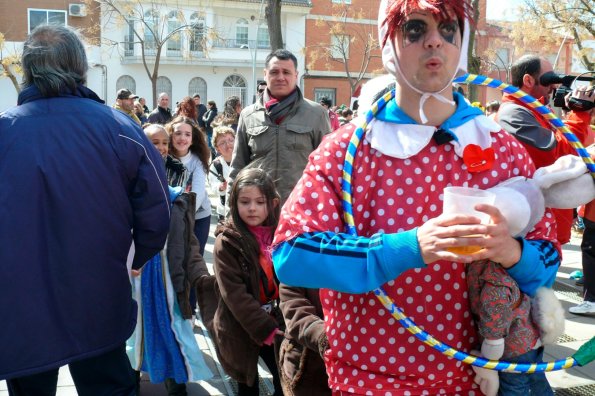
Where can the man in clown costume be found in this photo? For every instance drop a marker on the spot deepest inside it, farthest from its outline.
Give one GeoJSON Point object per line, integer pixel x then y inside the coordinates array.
{"type": "Point", "coordinates": [424, 140]}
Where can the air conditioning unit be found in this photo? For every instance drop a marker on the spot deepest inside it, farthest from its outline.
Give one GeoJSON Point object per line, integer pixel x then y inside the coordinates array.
{"type": "Point", "coordinates": [77, 10]}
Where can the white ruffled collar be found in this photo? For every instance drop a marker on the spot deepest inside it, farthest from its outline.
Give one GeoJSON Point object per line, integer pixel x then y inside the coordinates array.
{"type": "Point", "coordinates": [406, 140]}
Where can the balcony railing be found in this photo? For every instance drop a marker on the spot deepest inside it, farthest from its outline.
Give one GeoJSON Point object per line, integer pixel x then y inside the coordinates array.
{"type": "Point", "coordinates": [173, 53]}
{"type": "Point", "coordinates": [196, 49]}
{"type": "Point", "coordinates": [235, 43]}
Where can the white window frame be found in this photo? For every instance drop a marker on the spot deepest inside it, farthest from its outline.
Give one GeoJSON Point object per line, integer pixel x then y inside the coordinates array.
{"type": "Point", "coordinates": [502, 58]}
{"type": "Point", "coordinates": [341, 1]}
{"type": "Point", "coordinates": [330, 93]}
{"type": "Point", "coordinates": [47, 11]}
{"type": "Point", "coordinates": [150, 41]}
{"type": "Point", "coordinates": [129, 39]}
{"type": "Point", "coordinates": [164, 85]}
{"type": "Point", "coordinates": [263, 39]}
{"type": "Point", "coordinates": [235, 84]}
{"type": "Point", "coordinates": [245, 27]}
{"type": "Point", "coordinates": [337, 41]}
{"type": "Point", "coordinates": [197, 34]}
{"type": "Point", "coordinates": [126, 81]}
{"type": "Point", "coordinates": [174, 43]}
{"type": "Point", "coordinates": [198, 85]}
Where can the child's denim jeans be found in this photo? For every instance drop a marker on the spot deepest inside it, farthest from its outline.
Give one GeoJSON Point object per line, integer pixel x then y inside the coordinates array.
{"type": "Point", "coordinates": [513, 384]}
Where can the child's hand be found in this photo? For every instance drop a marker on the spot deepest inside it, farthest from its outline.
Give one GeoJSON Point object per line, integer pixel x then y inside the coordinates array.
{"type": "Point", "coordinates": [271, 338]}
{"type": "Point", "coordinates": [223, 186]}
{"type": "Point", "coordinates": [134, 273]}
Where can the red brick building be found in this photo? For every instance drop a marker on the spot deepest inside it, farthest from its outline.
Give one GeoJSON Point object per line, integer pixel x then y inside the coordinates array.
{"type": "Point", "coordinates": [18, 18]}
{"type": "Point", "coordinates": [497, 52]}
{"type": "Point", "coordinates": [337, 31]}
{"type": "Point", "coordinates": [325, 73]}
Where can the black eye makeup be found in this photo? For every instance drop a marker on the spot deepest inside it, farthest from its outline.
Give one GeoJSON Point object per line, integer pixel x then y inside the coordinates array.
{"type": "Point", "coordinates": [414, 30]}
{"type": "Point", "coordinates": [449, 30]}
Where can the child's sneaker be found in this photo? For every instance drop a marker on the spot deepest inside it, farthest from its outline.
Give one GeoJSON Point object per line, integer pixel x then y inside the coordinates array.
{"type": "Point", "coordinates": [586, 307]}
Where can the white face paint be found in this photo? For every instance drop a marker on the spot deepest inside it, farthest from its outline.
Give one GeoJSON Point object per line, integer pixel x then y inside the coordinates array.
{"type": "Point", "coordinates": [433, 34]}
{"type": "Point", "coordinates": [427, 51]}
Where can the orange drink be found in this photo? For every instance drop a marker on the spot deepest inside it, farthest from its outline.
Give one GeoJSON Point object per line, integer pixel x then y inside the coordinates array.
{"type": "Point", "coordinates": [462, 200]}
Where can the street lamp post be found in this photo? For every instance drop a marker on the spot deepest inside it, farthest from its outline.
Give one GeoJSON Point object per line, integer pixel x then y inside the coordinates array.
{"type": "Point", "coordinates": [254, 94]}
{"type": "Point", "coordinates": [253, 52]}
{"type": "Point", "coordinates": [103, 78]}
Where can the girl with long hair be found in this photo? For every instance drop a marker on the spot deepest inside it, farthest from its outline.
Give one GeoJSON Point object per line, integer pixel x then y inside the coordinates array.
{"type": "Point", "coordinates": [247, 321]}
{"type": "Point", "coordinates": [189, 146]}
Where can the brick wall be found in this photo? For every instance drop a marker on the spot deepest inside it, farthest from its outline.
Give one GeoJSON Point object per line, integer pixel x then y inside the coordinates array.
{"type": "Point", "coordinates": [318, 38]}
{"type": "Point", "coordinates": [14, 17]}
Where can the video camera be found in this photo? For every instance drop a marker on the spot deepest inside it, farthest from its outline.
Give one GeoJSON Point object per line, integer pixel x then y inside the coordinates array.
{"type": "Point", "coordinates": [564, 89]}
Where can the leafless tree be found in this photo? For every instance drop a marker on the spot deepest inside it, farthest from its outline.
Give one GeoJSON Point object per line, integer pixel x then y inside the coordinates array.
{"type": "Point", "coordinates": [150, 25]}
{"type": "Point", "coordinates": [10, 64]}
{"type": "Point", "coordinates": [346, 37]}
{"type": "Point", "coordinates": [273, 17]}
{"type": "Point", "coordinates": [572, 18]}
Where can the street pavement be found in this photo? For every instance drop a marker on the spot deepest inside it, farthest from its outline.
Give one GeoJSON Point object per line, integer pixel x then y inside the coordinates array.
{"type": "Point", "coordinates": [577, 381]}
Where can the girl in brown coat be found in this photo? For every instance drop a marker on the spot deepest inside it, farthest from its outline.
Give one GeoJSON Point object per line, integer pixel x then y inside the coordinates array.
{"type": "Point", "coordinates": [244, 326]}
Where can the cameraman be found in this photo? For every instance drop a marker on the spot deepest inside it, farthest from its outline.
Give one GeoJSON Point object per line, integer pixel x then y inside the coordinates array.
{"type": "Point", "coordinates": [544, 143]}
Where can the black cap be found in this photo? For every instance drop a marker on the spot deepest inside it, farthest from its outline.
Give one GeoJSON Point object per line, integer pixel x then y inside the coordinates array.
{"type": "Point", "coordinates": [126, 94]}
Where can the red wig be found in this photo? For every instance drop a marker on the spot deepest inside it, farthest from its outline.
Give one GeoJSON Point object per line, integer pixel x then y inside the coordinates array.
{"type": "Point", "coordinates": [441, 9]}
{"type": "Point", "coordinates": [188, 108]}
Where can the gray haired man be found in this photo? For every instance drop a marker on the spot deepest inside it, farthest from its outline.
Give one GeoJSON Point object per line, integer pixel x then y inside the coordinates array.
{"type": "Point", "coordinates": [82, 183]}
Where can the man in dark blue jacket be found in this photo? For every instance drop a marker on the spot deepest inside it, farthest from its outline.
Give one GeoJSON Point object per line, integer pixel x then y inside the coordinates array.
{"type": "Point", "coordinates": [79, 182]}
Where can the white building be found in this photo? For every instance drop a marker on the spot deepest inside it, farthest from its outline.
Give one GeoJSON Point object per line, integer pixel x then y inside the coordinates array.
{"type": "Point", "coordinates": [220, 55]}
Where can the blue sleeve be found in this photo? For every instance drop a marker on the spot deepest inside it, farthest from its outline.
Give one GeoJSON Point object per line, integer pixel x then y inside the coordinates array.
{"type": "Point", "coordinates": [537, 267]}
{"type": "Point", "coordinates": [346, 263]}
{"type": "Point", "coordinates": [148, 194]}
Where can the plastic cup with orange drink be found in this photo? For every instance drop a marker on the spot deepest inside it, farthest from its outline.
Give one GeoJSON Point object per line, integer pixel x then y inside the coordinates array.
{"type": "Point", "coordinates": [462, 200]}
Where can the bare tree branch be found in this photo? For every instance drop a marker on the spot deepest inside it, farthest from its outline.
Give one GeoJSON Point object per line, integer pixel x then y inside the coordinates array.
{"type": "Point", "coordinates": [346, 36]}
{"type": "Point", "coordinates": [569, 17]}
{"type": "Point", "coordinates": [10, 64]}
{"type": "Point", "coordinates": [149, 24]}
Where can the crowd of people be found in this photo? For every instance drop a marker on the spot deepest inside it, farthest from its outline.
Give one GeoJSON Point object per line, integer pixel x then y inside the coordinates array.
{"type": "Point", "coordinates": [110, 216]}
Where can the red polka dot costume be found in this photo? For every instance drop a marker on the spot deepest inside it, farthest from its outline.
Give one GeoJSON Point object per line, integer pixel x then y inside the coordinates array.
{"type": "Point", "coordinates": [369, 352]}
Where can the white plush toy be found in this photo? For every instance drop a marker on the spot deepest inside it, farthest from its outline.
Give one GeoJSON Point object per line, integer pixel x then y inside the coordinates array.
{"type": "Point", "coordinates": [565, 184]}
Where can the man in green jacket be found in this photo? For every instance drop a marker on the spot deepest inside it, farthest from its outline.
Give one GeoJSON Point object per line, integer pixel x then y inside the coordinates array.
{"type": "Point", "coordinates": [280, 130]}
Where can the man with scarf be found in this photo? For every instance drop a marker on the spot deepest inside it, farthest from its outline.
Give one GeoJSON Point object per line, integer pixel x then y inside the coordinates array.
{"type": "Point", "coordinates": [544, 144]}
{"type": "Point", "coordinates": [423, 140]}
{"type": "Point", "coordinates": [280, 130]}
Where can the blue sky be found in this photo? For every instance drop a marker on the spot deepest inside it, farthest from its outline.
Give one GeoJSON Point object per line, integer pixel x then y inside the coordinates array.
{"type": "Point", "coordinates": [502, 9]}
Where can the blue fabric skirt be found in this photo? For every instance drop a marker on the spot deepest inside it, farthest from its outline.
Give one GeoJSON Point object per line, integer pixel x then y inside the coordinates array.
{"type": "Point", "coordinates": [163, 344]}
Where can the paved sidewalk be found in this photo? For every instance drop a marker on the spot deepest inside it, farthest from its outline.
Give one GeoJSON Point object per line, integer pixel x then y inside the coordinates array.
{"type": "Point", "coordinates": [577, 381]}
{"type": "Point", "coordinates": [573, 382]}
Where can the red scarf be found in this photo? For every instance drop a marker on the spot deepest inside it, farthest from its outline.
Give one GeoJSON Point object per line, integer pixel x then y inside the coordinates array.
{"type": "Point", "coordinates": [277, 109]}
{"type": "Point", "coordinates": [268, 283]}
